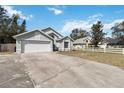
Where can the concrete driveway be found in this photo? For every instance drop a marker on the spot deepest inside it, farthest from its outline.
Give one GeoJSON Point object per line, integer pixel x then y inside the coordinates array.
{"type": "Point", "coordinates": [55, 70]}
{"type": "Point", "coordinates": [13, 73]}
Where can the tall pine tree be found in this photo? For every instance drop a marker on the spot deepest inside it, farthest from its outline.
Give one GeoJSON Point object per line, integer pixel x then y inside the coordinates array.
{"type": "Point", "coordinates": [97, 33]}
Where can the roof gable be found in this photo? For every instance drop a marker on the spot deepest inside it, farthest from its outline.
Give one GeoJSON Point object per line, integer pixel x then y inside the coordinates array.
{"type": "Point", "coordinates": [49, 28]}
{"type": "Point", "coordinates": [26, 33]}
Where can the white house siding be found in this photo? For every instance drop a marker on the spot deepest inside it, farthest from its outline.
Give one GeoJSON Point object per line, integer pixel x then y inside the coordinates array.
{"type": "Point", "coordinates": [56, 36]}
{"type": "Point", "coordinates": [18, 46]}
{"type": "Point", "coordinates": [33, 36]}
{"type": "Point", "coordinates": [61, 45]}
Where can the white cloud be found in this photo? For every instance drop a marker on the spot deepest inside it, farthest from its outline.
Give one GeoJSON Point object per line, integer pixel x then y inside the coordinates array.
{"type": "Point", "coordinates": [95, 17]}
{"type": "Point", "coordinates": [55, 11]}
{"type": "Point", "coordinates": [108, 26]}
{"type": "Point", "coordinates": [69, 26]}
{"type": "Point", "coordinates": [12, 11]}
{"type": "Point", "coordinates": [86, 24]}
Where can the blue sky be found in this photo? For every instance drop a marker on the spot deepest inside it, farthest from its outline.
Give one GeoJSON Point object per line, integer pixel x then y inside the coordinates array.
{"type": "Point", "coordinates": [65, 18]}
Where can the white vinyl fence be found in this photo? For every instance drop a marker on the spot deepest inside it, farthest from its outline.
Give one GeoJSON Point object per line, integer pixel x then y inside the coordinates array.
{"type": "Point", "coordinates": [105, 50]}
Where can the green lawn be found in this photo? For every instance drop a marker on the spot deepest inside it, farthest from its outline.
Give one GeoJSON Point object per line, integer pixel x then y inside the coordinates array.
{"type": "Point", "coordinates": [107, 58]}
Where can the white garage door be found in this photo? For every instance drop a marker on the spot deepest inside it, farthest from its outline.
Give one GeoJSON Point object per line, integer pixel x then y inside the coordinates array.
{"type": "Point", "coordinates": [37, 46]}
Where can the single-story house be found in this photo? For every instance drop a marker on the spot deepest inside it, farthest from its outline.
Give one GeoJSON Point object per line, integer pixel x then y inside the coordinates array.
{"type": "Point", "coordinates": [45, 40]}
{"type": "Point", "coordinates": [82, 42]}
{"type": "Point", "coordinates": [112, 43]}
{"type": "Point", "coordinates": [86, 42]}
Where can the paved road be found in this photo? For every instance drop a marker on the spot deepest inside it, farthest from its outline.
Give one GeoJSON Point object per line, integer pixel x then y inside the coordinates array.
{"type": "Point", "coordinates": [55, 70]}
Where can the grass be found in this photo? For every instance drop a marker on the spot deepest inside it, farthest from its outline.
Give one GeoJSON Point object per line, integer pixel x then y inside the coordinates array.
{"type": "Point", "coordinates": [107, 58]}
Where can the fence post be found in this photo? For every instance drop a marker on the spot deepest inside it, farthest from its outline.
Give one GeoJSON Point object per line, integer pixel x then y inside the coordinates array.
{"type": "Point", "coordinates": [122, 50]}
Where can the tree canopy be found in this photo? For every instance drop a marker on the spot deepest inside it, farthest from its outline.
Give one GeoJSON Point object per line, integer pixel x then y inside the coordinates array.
{"type": "Point", "coordinates": [78, 33]}
{"type": "Point", "coordinates": [118, 32]}
{"type": "Point", "coordinates": [10, 26]}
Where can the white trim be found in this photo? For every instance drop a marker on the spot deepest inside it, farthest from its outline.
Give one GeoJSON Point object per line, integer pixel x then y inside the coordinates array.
{"type": "Point", "coordinates": [31, 32]}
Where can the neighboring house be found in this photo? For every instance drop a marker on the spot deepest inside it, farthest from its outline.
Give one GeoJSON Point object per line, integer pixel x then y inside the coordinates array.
{"type": "Point", "coordinates": [106, 43]}
{"type": "Point", "coordinates": [82, 42]}
{"type": "Point", "coordinates": [109, 42]}
{"type": "Point", "coordinates": [112, 42]}
{"type": "Point", "coordinates": [46, 40]}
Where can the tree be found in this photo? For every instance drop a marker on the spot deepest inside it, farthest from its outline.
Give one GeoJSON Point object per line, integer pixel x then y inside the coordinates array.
{"type": "Point", "coordinates": [78, 33]}
{"type": "Point", "coordinates": [118, 32]}
{"type": "Point", "coordinates": [23, 27]}
{"type": "Point", "coordinates": [97, 33]}
{"type": "Point", "coordinates": [10, 26]}
{"type": "Point", "coordinates": [13, 28]}
{"type": "Point", "coordinates": [4, 22]}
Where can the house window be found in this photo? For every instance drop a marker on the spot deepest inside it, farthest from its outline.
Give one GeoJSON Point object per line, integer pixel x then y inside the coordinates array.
{"type": "Point", "coordinates": [65, 44]}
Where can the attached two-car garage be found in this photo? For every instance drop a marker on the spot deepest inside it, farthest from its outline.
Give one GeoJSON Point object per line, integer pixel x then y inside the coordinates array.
{"type": "Point", "coordinates": [36, 46]}
{"type": "Point", "coordinates": [35, 41]}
